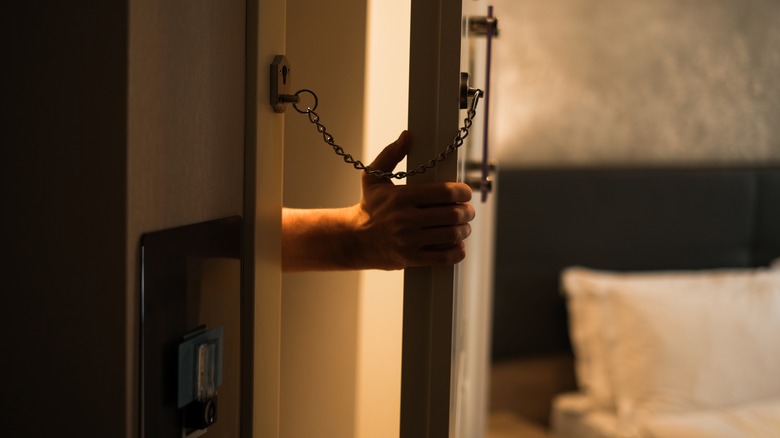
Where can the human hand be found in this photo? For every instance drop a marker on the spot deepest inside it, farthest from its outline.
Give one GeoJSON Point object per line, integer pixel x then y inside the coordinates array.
{"type": "Point", "coordinates": [412, 225]}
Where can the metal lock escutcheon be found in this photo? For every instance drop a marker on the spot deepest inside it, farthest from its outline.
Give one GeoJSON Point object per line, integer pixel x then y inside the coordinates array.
{"type": "Point", "coordinates": [281, 84]}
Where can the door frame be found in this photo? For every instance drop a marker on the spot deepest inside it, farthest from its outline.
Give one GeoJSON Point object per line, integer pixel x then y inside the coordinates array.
{"type": "Point", "coordinates": [262, 278]}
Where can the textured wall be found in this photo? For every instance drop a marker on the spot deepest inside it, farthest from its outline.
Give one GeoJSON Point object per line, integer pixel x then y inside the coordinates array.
{"type": "Point", "coordinates": [615, 81]}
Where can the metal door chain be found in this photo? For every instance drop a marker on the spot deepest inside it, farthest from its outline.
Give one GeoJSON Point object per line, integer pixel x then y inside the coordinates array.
{"type": "Point", "coordinates": [357, 164]}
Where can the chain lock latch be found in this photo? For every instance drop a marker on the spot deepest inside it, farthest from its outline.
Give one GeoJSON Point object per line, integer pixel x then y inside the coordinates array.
{"type": "Point", "coordinates": [281, 97]}
{"type": "Point", "coordinates": [466, 91]}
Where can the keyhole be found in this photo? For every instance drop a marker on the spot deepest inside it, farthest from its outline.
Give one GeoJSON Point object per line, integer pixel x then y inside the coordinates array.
{"type": "Point", "coordinates": [284, 74]}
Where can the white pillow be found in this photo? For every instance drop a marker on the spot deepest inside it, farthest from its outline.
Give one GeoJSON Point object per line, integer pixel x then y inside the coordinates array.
{"type": "Point", "coordinates": [585, 330]}
{"type": "Point", "coordinates": [583, 288]}
{"type": "Point", "coordinates": [675, 341]}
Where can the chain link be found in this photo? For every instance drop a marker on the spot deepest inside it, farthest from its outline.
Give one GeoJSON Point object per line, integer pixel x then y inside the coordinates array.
{"type": "Point", "coordinates": [457, 142]}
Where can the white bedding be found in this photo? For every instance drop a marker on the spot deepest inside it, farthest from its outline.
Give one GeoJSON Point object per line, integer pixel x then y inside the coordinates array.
{"type": "Point", "coordinates": [574, 415]}
{"type": "Point", "coordinates": [754, 420]}
{"type": "Point", "coordinates": [673, 354]}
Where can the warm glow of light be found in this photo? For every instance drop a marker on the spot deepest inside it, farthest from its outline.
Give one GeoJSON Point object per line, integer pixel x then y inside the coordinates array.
{"type": "Point", "coordinates": [378, 397]}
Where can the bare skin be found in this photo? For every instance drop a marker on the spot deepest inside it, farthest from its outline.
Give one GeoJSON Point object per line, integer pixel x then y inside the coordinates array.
{"type": "Point", "coordinates": [392, 227]}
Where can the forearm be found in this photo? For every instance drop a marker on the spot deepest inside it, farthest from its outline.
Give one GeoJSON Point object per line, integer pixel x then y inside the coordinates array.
{"type": "Point", "coordinates": [393, 227]}
{"type": "Point", "coordinates": [321, 240]}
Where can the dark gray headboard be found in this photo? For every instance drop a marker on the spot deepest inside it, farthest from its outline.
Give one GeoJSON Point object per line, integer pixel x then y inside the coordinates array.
{"type": "Point", "coordinates": [619, 219]}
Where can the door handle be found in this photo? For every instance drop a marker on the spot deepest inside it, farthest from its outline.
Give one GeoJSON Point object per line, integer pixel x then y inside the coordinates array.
{"type": "Point", "coordinates": [487, 26]}
{"type": "Point", "coordinates": [474, 179]}
{"type": "Point", "coordinates": [484, 25]}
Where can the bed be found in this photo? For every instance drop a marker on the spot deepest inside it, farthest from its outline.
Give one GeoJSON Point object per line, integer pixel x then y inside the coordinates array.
{"type": "Point", "coordinates": [651, 248]}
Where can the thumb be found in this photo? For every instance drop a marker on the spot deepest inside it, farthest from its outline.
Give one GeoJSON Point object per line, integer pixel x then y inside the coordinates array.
{"type": "Point", "coordinates": [390, 157]}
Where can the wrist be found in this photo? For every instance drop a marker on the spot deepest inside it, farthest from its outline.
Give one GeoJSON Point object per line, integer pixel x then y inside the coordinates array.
{"type": "Point", "coordinates": [352, 247]}
{"type": "Point", "coordinates": [322, 239]}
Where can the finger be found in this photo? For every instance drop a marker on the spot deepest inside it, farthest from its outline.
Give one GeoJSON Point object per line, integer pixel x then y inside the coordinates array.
{"type": "Point", "coordinates": [440, 257]}
{"type": "Point", "coordinates": [436, 193]}
{"type": "Point", "coordinates": [455, 214]}
{"type": "Point", "coordinates": [442, 215]}
{"type": "Point", "coordinates": [389, 158]}
{"type": "Point", "coordinates": [441, 237]}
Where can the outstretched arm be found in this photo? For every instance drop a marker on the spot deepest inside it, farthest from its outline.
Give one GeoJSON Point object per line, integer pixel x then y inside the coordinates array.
{"type": "Point", "coordinates": [393, 227]}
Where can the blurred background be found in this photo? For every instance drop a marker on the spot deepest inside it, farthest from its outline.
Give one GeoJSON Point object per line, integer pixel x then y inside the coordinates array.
{"type": "Point", "coordinates": [575, 83]}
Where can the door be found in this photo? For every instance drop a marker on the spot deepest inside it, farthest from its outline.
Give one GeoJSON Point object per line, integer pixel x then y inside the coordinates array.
{"type": "Point", "coordinates": [446, 310]}
{"type": "Point", "coordinates": [474, 276]}
{"type": "Point", "coordinates": [263, 216]}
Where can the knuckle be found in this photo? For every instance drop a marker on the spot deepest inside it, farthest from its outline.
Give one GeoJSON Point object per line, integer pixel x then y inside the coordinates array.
{"type": "Point", "coordinates": [455, 255]}
{"type": "Point", "coordinates": [456, 215]}
{"type": "Point", "coordinates": [391, 222]}
{"type": "Point", "coordinates": [471, 213]}
{"type": "Point", "coordinates": [462, 232]}
{"type": "Point", "coordinates": [462, 192]}
{"type": "Point", "coordinates": [466, 231]}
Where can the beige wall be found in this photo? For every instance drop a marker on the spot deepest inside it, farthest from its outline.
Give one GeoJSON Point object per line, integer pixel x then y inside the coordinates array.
{"type": "Point", "coordinates": [579, 82]}
{"type": "Point", "coordinates": [185, 122]}
{"type": "Point", "coordinates": [380, 318]}
{"type": "Point", "coordinates": [326, 49]}
{"type": "Point", "coordinates": [126, 117]}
